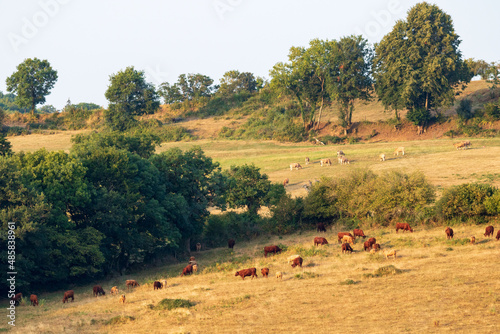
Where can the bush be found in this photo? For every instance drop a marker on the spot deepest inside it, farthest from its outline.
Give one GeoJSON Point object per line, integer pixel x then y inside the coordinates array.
{"type": "Point", "coordinates": [492, 203]}
{"type": "Point", "coordinates": [286, 216]}
{"type": "Point", "coordinates": [419, 116]}
{"type": "Point", "coordinates": [464, 201]}
{"type": "Point", "coordinates": [492, 110]}
{"type": "Point", "coordinates": [384, 271]}
{"type": "Point", "coordinates": [170, 304]}
{"type": "Point", "coordinates": [230, 225]}
{"type": "Point", "coordinates": [464, 109]}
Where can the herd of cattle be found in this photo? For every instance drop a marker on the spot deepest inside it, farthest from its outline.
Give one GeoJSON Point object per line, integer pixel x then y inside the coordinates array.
{"type": "Point", "coordinates": [346, 239]}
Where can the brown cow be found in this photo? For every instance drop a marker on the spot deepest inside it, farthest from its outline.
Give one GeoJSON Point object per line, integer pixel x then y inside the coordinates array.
{"type": "Point", "coordinates": [188, 270]}
{"type": "Point", "coordinates": [348, 239]}
{"type": "Point", "coordinates": [295, 165]}
{"type": "Point", "coordinates": [376, 246]}
{"type": "Point", "coordinates": [67, 295]}
{"type": "Point", "coordinates": [198, 247]}
{"type": "Point", "coordinates": [320, 241]}
{"type": "Point", "coordinates": [320, 227]}
{"type": "Point", "coordinates": [231, 243]}
{"type": "Point", "coordinates": [17, 298]}
{"type": "Point", "coordinates": [285, 182]}
{"type": "Point", "coordinates": [131, 283]}
{"type": "Point", "coordinates": [271, 249]}
{"type": "Point", "coordinates": [157, 285]}
{"type": "Point", "coordinates": [404, 227]}
{"type": "Point", "coordinates": [297, 262]}
{"type": "Point", "coordinates": [122, 299]}
{"type": "Point", "coordinates": [498, 235]}
{"type": "Point", "coordinates": [340, 235]}
{"type": "Point", "coordinates": [264, 272]}
{"type": "Point", "coordinates": [489, 231]}
{"type": "Point", "coordinates": [34, 300]}
{"type": "Point", "coordinates": [359, 233]}
{"type": "Point", "coordinates": [247, 272]}
{"type": "Point", "coordinates": [449, 233]}
{"type": "Point", "coordinates": [372, 240]}
{"type": "Point", "coordinates": [346, 248]}
{"type": "Point", "coordinates": [472, 240]}
{"type": "Point", "coordinates": [367, 245]}
{"type": "Point", "coordinates": [97, 290]}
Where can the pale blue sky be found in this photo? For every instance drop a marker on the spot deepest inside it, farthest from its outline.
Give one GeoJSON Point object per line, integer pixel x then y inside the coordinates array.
{"type": "Point", "coordinates": [88, 40]}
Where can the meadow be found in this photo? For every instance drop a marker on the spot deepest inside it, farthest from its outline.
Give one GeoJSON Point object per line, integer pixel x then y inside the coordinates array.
{"type": "Point", "coordinates": [435, 285]}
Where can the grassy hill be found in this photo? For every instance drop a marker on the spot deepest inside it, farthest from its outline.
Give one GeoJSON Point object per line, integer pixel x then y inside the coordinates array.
{"type": "Point", "coordinates": [436, 285]}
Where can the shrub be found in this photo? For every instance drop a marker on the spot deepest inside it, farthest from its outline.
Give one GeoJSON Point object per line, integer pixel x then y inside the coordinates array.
{"type": "Point", "coordinates": [492, 203]}
{"type": "Point", "coordinates": [120, 319]}
{"type": "Point", "coordinates": [286, 216]}
{"type": "Point", "coordinates": [384, 271]}
{"type": "Point", "coordinates": [170, 304]}
{"type": "Point", "coordinates": [464, 109]}
{"type": "Point", "coordinates": [464, 201]}
{"type": "Point", "coordinates": [230, 225]}
{"type": "Point", "coordinates": [492, 110]}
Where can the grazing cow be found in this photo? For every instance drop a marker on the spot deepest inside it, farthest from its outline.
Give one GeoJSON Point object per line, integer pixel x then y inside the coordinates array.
{"type": "Point", "coordinates": [157, 285]}
{"type": "Point", "coordinates": [285, 182]}
{"type": "Point", "coordinates": [372, 240]}
{"type": "Point", "coordinates": [198, 247]}
{"type": "Point", "coordinates": [17, 298]}
{"type": "Point", "coordinates": [382, 157]}
{"type": "Point", "coordinates": [122, 299]}
{"type": "Point", "coordinates": [231, 243]}
{"type": "Point", "coordinates": [67, 295]}
{"type": "Point", "coordinates": [279, 275]}
{"type": "Point", "coordinates": [459, 145]}
{"type": "Point", "coordinates": [271, 249]}
{"type": "Point", "coordinates": [346, 248]}
{"type": "Point", "coordinates": [247, 272]}
{"type": "Point", "coordinates": [340, 235]}
{"type": "Point", "coordinates": [307, 160]}
{"type": "Point", "coordinates": [131, 283]}
{"type": "Point", "coordinates": [340, 153]}
{"type": "Point", "coordinates": [348, 239]}
{"type": "Point", "coordinates": [343, 160]}
{"type": "Point", "coordinates": [264, 272]}
{"type": "Point", "coordinates": [97, 290]}
{"type": "Point", "coordinates": [498, 235]}
{"type": "Point", "coordinates": [489, 231]}
{"type": "Point", "coordinates": [292, 257]}
{"type": "Point", "coordinates": [34, 300]}
{"type": "Point", "coordinates": [297, 262]}
{"type": "Point", "coordinates": [195, 268]}
{"type": "Point", "coordinates": [359, 233]}
{"type": "Point", "coordinates": [320, 227]}
{"type": "Point", "coordinates": [187, 270]}
{"type": "Point", "coordinates": [369, 243]}
{"type": "Point", "coordinates": [399, 150]}
{"type": "Point", "coordinates": [163, 283]}
{"type": "Point", "coordinates": [114, 290]}
{"type": "Point", "coordinates": [449, 233]}
{"type": "Point", "coordinates": [327, 162]}
{"type": "Point", "coordinates": [404, 227]}
{"type": "Point", "coordinates": [390, 252]}
{"type": "Point", "coordinates": [320, 241]}
{"type": "Point", "coordinates": [295, 165]}
{"type": "Point", "coordinates": [473, 239]}
{"type": "Point", "coordinates": [376, 246]}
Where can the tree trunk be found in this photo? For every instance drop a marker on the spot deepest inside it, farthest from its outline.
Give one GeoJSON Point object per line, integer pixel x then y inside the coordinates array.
{"type": "Point", "coordinates": [319, 116]}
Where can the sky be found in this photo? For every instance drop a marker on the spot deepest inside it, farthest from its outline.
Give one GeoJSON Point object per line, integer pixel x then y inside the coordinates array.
{"type": "Point", "coordinates": [86, 41]}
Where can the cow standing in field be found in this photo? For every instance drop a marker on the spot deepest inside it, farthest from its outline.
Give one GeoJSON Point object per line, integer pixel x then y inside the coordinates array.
{"type": "Point", "coordinates": [297, 262]}
{"type": "Point", "coordinates": [348, 239]}
{"type": "Point", "coordinates": [340, 235]}
{"type": "Point", "coordinates": [67, 295]}
{"type": "Point", "coordinates": [359, 233]}
{"type": "Point", "coordinates": [449, 233]}
{"type": "Point", "coordinates": [307, 160]}
{"type": "Point", "coordinates": [98, 290]}
{"type": "Point", "coordinates": [498, 235]}
{"type": "Point", "coordinates": [399, 150]}
{"type": "Point", "coordinates": [404, 227]}
{"type": "Point", "coordinates": [320, 241]}
{"type": "Point", "coordinates": [231, 243]}
{"type": "Point", "coordinates": [285, 182]}
{"type": "Point", "coordinates": [247, 272]}
{"type": "Point", "coordinates": [131, 283]}
{"type": "Point", "coordinates": [34, 300]}
{"type": "Point", "coordinates": [188, 270]}
{"type": "Point", "coordinates": [327, 162]}
{"type": "Point", "coordinates": [17, 298]}
{"type": "Point", "coordinates": [320, 227]}
{"type": "Point", "coordinates": [382, 157]}
{"type": "Point", "coordinates": [489, 231]}
{"type": "Point", "coordinates": [265, 272]}
{"type": "Point", "coordinates": [295, 165]}
{"type": "Point", "coordinates": [369, 243]}
{"type": "Point", "coordinates": [271, 249]}
{"type": "Point", "coordinates": [346, 248]}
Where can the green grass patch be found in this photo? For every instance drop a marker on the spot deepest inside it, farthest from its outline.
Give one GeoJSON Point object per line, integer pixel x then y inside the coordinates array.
{"type": "Point", "coordinates": [228, 263]}
{"type": "Point", "coordinates": [306, 275]}
{"type": "Point", "coordinates": [170, 304]}
{"type": "Point", "coordinates": [121, 319]}
{"type": "Point", "coordinates": [307, 252]}
{"type": "Point", "coordinates": [459, 242]}
{"type": "Point", "coordinates": [384, 271]}
{"type": "Point", "coordinates": [233, 301]}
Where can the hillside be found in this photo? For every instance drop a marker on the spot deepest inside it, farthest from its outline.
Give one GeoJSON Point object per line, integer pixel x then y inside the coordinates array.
{"type": "Point", "coordinates": [437, 285]}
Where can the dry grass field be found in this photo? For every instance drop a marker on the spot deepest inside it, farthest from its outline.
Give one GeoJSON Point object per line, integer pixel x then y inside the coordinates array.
{"type": "Point", "coordinates": [440, 286]}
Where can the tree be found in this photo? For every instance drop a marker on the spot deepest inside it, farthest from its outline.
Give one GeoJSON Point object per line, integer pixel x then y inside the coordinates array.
{"type": "Point", "coordinates": [247, 187]}
{"type": "Point", "coordinates": [464, 109]}
{"type": "Point", "coordinates": [418, 64]}
{"type": "Point", "coordinates": [129, 95]}
{"type": "Point", "coordinates": [32, 81]}
{"type": "Point", "coordinates": [234, 82]}
{"type": "Point", "coordinates": [191, 87]}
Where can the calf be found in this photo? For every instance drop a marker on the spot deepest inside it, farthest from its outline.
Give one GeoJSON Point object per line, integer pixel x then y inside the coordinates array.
{"type": "Point", "coordinates": [264, 272]}
{"type": "Point", "coordinates": [343, 160]}
{"type": "Point", "coordinates": [188, 270]}
{"type": "Point", "coordinates": [376, 247]}
{"type": "Point", "coordinates": [404, 227]}
{"type": "Point", "coordinates": [346, 248]}
{"type": "Point", "coordinates": [198, 247]}
{"type": "Point", "coordinates": [307, 160]}
{"type": "Point", "coordinates": [320, 227]}
{"type": "Point", "coordinates": [131, 283]}
{"type": "Point", "coordinates": [449, 233]}
{"type": "Point", "coordinates": [279, 275]}
{"type": "Point", "coordinates": [340, 235]}
{"type": "Point", "coordinates": [391, 252]}
{"type": "Point", "coordinates": [498, 235]}
{"type": "Point", "coordinates": [359, 233]}
{"type": "Point", "coordinates": [489, 231]}
{"type": "Point", "coordinates": [320, 241]}
{"type": "Point", "coordinates": [157, 285]}
{"type": "Point", "coordinates": [231, 243]}
{"type": "Point", "coordinates": [372, 240]}
{"type": "Point", "coordinates": [34, 300]}
{"type": "Point", "coordinates": [114, 290]}
{"type": "Point", "coordinates": [247, 272]}
{"type": "Point", "coordinates": [399, 150]}
{"type": "Point", "coordinates": [271, 249]}
{"type": "Point", "coordinates": [297, 262]}
{"type": "Point", "coordinates": [382, 157]}
{"type": "Point", "coordinates": [67, 295]}
{"type": "Point", "coordinates": [295, 165]}
{"type": "Point", "coordinates": [285, 182]}
{"type": "Point", "coordinates": [369, 243]}
{"type": "Point", "coordinates": [122, 299]}
{"type": "Point", "coordinates": [327, 162]}
{"type": "Point", "coordinates": [17, 298]}
{"type": "Point", "coordinates": [163, 283]}
{"type": "Point", "coordinates": [473, 240]}
{"type": "Point", "coordinates": [195, 268]}
{"type": "Point", "coordinates": [348, 239]}
{"type": "Point", "coordinates": [97, 290]}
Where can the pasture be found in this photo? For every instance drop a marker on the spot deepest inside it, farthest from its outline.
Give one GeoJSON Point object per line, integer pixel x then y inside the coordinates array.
{"type": "Point", "coordinates": [436, 285]}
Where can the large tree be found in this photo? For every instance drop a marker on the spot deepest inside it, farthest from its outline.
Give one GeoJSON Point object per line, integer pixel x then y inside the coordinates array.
{"type": "Point", "coordinates": [418, 64]}
{"type": "Point", "coordinates": [190, 87]}
{"type": "Point", "coordinates": [236, 82]}
{"type": "Point", "coordinates": [32, 81]}
{"type": "Point", "coordinates": [129, 95]}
